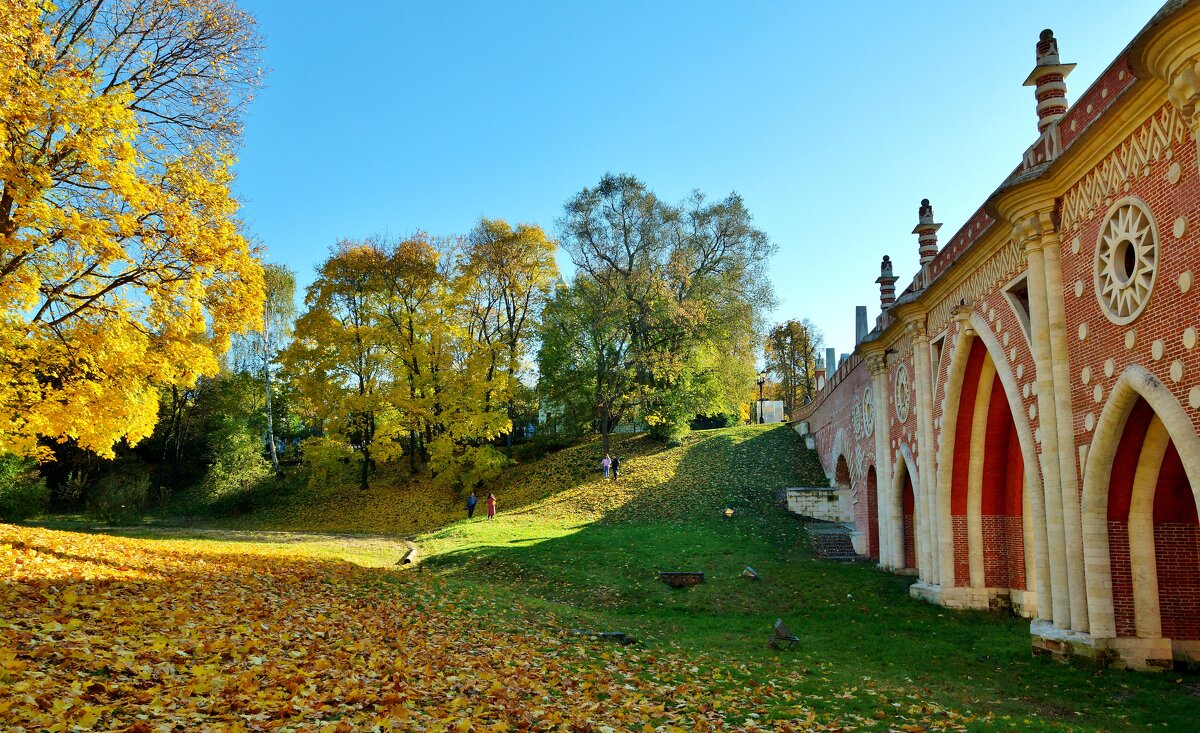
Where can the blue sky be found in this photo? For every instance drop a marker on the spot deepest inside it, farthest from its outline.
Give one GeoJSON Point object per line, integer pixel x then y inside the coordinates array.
{"type": "Point", "coordinates": [832, 120]}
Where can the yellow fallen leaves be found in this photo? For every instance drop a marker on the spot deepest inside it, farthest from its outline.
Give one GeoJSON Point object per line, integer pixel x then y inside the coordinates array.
{"type": "Point", "coordinates": [105, 633]}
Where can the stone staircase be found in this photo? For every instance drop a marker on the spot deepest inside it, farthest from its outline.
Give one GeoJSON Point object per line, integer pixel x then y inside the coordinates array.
{"type": "Point", "coordinates": [832, 541]}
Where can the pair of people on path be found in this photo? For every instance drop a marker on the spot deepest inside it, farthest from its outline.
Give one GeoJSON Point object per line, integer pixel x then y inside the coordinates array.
{"type": "Point", "coordinates": [472, 500]}
{"type": "Point", "coordinates": [609, 464]}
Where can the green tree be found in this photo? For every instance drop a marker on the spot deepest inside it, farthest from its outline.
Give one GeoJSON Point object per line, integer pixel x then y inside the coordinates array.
{"type": "Point", "coordinates": [682, 288]}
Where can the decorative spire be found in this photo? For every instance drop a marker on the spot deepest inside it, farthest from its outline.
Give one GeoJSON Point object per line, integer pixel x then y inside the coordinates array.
{"type": "Point", "coordinates": [1049, 81]}
{"type": "Point", "coordinates": [926, 231]}
{"type": "Point", "coordinates": [887, 284]}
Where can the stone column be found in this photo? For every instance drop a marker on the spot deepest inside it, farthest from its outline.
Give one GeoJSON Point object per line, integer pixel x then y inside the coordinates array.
{"type": "Point", "coordinates": [1061, 396]}
{"type": "Point", "coordinates": [1055, 607]}
{"type": "Point", "coordinates": [877, 367]}
{"type": "Point", "coordinates": [923, 402]}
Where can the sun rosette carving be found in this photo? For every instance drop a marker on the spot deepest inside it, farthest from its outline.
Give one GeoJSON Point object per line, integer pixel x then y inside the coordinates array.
{"type": "Point", "coordinates": [1127, 257]}
{"type": "Point", "coordinates": [903, 393]}
{"type": "Point", "coordinates": [868, 413]}
{"type": "Point", "coordinates": [856, 419]}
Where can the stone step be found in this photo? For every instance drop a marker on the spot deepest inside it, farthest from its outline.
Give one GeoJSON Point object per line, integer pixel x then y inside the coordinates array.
{"type": "Point", "coordinates": [832, 542]}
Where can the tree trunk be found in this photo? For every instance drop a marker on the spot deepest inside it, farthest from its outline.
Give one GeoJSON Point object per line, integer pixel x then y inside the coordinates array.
{"type": "Point", "coordinates": [270, 412]}
{"type": "Point", "coordinates": [366, 469]}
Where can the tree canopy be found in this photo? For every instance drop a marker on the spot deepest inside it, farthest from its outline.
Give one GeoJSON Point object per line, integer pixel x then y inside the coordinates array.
{"type": "Point", "coordinates": [122, 265]}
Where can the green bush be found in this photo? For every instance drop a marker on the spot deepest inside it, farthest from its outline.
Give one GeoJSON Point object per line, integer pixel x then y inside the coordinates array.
{"type": "Point", "coordinates": [238, 466]}
{"type": "Point", "coordinates": [119, 496]}
{"type": "Point", "coordinates": [22, 489]}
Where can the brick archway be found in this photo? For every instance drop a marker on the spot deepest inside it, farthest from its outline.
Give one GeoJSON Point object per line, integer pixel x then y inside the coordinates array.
{"type": "Point", "coordinates": [987, 483]}
{"type": "Point", "coordinates": [1142, 534]}
{"type": "Point", "coordinates": [872, 514]}
{"type": "Point", "coordinates": [841, 473]}
{"type": "Point", "coordinates": [908, 513]}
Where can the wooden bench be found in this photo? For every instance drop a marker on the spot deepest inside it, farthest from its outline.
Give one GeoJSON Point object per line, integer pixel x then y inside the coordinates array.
{"type": "Point", "coordinates": [782, 635]}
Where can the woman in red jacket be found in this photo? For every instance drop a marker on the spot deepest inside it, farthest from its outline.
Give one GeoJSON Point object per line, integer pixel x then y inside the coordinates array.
{"type": "Point", "coordinates": [491, 506]}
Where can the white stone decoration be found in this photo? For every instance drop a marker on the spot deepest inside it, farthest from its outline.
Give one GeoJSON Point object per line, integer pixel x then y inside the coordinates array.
{"type": "Point", "coordinates": [1033, 411]}
{"type": "Point", "coordinates": [868, 413]}
{"type": "Point", "coordinates": [1012, 354]}
{"type": "Point", "coordinates": [1194, 397]}
{"type": "Point", "coordinates": [1185, 281]}
{"type": "Point", "coordinates": [1006, 339]}
{"type": "Point", "coordinates": [903, 393]}
{"type": "Point", "coordinates": [1025, 390]}
{"type": "Point", "coordinates": [1130, 338]}
{"type": "Point", "coordinates": [1189, 338]}
{"type": "Point", "coordinates": [1089, 421]}
{"type": "Point", "coordinates": [1127, 259]}
{"type": "Point", "coordinates": [1020, 371]}
{"type": "Point", "coordinates": [1180, 228]}
{"type": "Point", "coordinates": [1085, 376]}
{"type": "Point", "coordinates": [1079, 288]}
{"type": "Point", "coordinates": [1156, 349]}
{"type": "Point", "coordinates": [1177, 371]}
{"type": "Point", "coordinates": [1098, 393]}
{"type": "Point", "coordinates": [1075, 245]}
{"type": "Point", "coordinates": [1082, 331]}
{"type": "Point", "coordinates": [1174, 172]}
{"type": "Point", "coordinates": [1110, 367]}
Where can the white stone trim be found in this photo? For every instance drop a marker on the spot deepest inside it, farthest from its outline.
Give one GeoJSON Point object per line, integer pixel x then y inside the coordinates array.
{"type": "Point", "coordinates": [1136, 381]}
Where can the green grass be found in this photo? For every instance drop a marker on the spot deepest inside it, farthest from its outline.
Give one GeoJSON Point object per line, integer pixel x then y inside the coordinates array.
{"type": "Point", "coordinates": [860, 630]}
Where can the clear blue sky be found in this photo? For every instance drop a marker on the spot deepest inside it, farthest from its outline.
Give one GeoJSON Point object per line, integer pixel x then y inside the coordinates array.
{"type": "Point", "coordinates": [832, 119]}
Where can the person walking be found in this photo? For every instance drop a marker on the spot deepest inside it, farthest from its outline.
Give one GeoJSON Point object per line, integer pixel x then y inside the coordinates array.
{"type": "Point", "coordinates": [472, 500]}
{"type": "Point", "coordinates": [605, 464]}
{"type": "Point", "coordinates": [491, 506]}
{"type": "Point", "coordinates": [616, 466]}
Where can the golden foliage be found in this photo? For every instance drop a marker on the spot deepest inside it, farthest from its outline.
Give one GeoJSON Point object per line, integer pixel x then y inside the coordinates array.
{"type": "Point", "coordinates": [101, 633]}
{"type": "Point", "coordinates": [121, 265]}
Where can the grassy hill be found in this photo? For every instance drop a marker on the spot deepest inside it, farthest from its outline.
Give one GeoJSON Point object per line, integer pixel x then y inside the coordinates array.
{"type": "Point", "coordinates": [570, 550]}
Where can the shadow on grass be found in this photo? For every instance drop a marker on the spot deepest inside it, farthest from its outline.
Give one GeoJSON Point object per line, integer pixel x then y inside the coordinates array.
{"type": "Point", "coordinates": [856, 623]}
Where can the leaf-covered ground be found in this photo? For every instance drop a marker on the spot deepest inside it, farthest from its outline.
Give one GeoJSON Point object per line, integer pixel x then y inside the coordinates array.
{"type": "Point", "coordinates": [219, 628]}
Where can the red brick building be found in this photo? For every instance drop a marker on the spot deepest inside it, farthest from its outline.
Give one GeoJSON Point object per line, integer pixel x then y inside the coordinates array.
{"type": "Point", "coordinates": [1020, 427]}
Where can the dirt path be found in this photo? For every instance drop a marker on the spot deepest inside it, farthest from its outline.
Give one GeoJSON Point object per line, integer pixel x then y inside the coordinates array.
{"type": "Point", "coordinates": [368, 550]}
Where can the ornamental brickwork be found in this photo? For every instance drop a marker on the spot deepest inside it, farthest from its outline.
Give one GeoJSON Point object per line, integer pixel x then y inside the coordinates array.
{"type": "Point", "coordinates": [1021, 428]}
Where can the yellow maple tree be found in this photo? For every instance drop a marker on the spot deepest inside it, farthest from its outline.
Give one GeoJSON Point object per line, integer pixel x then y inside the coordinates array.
{"type": "Point", "coordinates": [122, 265]}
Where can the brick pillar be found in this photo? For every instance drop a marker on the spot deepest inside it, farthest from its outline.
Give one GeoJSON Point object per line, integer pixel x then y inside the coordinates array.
{"type": "Point", "coordinates": [1049, 79]}
{"type": "Point", "coordinates": [887, 501]}
{"type": "Point", "coordinates": [926, 231]}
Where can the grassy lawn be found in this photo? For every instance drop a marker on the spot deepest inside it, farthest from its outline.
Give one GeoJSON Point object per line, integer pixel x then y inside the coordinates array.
{"type": "Point", "coordinates": [570, 550]}
{"type": "Point", "coordinates": [593, 562]}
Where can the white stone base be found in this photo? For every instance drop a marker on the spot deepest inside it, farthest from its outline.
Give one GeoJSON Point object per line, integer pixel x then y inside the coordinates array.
{"type": "Point", "coordinates": [923, 591]}
{"type": "Point", "coordinates": [1153, 655]}
{"type": "Point", "coordinates": [1003, 600]}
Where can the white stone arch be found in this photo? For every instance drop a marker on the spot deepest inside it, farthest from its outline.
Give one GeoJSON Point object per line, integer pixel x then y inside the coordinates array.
{"type": "Point", "coordinates": [905, 464]}
{"type": "Point", "coordinates": [1136, 381]}
{"type": "Point", "coordinates": [839, 449]}
{"type": "Point", "coordinates": [1035, 572]}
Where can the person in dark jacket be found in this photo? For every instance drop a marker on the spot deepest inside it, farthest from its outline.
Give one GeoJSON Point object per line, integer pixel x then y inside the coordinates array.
{"type": "Point", "coordinates": [616, 467]}
{"type": "Point", "coordinates": [472, 500]}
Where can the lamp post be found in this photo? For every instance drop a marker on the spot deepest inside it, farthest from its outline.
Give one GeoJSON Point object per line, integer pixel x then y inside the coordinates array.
{"type": "Point", "coordinates": [762, 379]}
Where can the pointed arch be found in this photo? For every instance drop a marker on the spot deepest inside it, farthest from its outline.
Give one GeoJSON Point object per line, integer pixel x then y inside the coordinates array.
{"type": "Point", "coordinates": [906, 490]}
{"type": "Point", "coordinates": [983, 407]}
{"type": "Point", "coordinates": [1142, 416]}
{"type": "Point", "coordinates": [873, 551]}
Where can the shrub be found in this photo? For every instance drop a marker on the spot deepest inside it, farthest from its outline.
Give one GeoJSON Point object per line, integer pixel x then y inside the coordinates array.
{"type": "Point", "coordinates": [238, 466]}
{"type": "Point", "coordinates": [22, 489]}
{"type": "Point", "coordinates": [119, 496]}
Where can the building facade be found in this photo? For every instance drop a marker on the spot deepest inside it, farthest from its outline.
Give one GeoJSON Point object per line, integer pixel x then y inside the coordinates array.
{"type": "Point", "coordinates": [1019, 429]}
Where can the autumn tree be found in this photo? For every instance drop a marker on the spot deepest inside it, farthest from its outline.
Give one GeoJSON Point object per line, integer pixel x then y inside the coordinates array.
{"type": "Point", "coordinates": [512, 272]}
{"type": "Point", "coordinates": [685, 286]}
{"type": "Point", "coordinates": [337, 359]}
{"type": "Point", "coordinates": [792, 350]}
{"type": "Point", "coordinates": [258, 349]}
{"type": "Point", "coordinates": [122, 267]}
